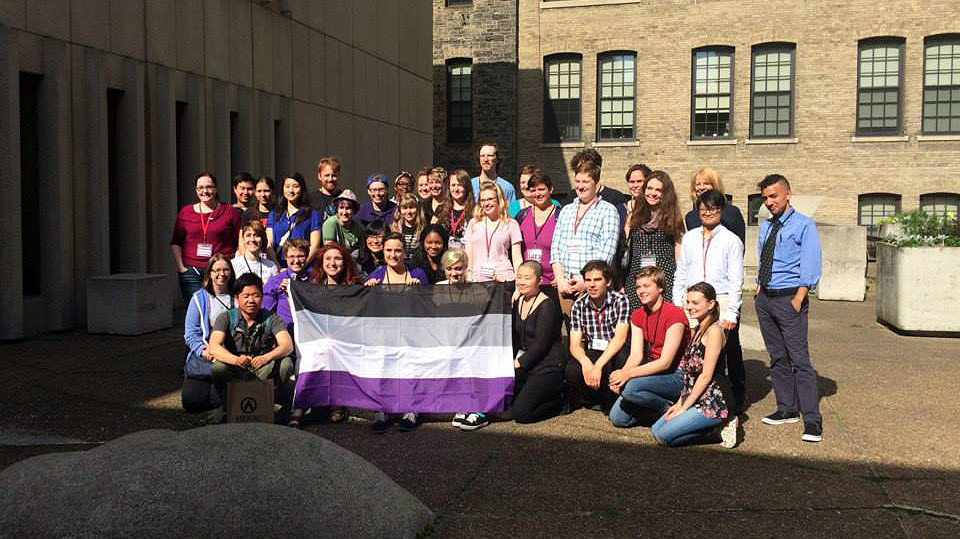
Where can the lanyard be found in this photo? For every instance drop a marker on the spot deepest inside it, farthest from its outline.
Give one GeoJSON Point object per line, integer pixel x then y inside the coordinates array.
{"type": "Point", "coordinates": [220, 301]}
{"type": "Point", "coordinates": [386, 275]}
{"type": "Point", "coordinates": [599, 316]}
{"type": "Point", "coordinates": [249, 269]}
{"type": "Point", "coordinates": [488, 237]}
{"type": "Point", "coordinates": [576, 223]}
{"type": "Point", "coordinates": [646, 326]}
{"type": "Point", "coordinates": [705, 245]}
{"type": "Point", "coordinates": [455, 223]}
{"type": "Point", "coordinates": [205, 223]}
{"type": "Point", "coordinates": [537, 231]}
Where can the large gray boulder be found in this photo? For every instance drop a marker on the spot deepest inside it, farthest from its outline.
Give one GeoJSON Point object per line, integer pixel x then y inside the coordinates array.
{"type": "Point", "coordinates": [232, 481]}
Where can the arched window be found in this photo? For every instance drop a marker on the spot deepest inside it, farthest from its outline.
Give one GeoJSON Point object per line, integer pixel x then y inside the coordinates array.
{"type": "Point", "coordinates": [459, 100]}
{"type": "Point", "coordinates": [617, 92]}
{"type": "Point", "coordinates": [712, 108]}
{"type": "Point", "coordinates": [561, 104]}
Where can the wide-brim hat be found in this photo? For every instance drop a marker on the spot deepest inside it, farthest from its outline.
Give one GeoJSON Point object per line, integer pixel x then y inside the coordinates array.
{"type": "Point", "coordinates": [348, 195]}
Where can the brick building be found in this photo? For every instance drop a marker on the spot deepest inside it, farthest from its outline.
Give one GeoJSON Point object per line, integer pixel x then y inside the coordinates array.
{"type": "Point", "coordinates": [856, 101]}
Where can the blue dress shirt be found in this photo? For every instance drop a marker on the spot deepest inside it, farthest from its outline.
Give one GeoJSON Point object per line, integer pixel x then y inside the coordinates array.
{"type": "Point", "coordinates": [796, 257]}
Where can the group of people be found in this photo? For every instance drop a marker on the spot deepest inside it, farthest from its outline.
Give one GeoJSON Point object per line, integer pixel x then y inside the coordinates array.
{"type": "Point", "coordinates": [651, 298]}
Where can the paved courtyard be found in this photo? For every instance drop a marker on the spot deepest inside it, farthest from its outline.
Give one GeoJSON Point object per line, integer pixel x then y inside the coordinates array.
{"type": "Point", "coordinates": [889, 465]}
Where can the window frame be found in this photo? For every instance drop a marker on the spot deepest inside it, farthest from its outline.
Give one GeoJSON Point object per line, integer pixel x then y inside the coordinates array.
{"type": "Point", "coordinates": [876, 197]}
{"type": "Point", "coordinates": [900, 44]}
{"type": "Point", "coordinates": [557, 135]}
{"type": "Point", "coordinates": [467, 138]}
{"type": "Point", "coordinates": [754, 199]}
{"type": "Point", "coordinates": [457, 3]}
{"type": "Point", "coordinates": [599, 99]}
{"type": "Point", "coordinates": [763, 48]}
{"type": "Point", "coordinates": [927, 43]}
{"type": "Point", "coordinates": [720, 49]}
{"type": "Point", "coordinates": [939, 194]}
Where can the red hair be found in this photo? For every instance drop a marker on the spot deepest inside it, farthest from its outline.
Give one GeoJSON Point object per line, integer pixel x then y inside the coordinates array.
{"type": "Point", "coordinates": [348, 275]}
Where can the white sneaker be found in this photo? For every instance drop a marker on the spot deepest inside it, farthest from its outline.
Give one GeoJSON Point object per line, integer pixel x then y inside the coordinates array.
{"type": "Point", "coordinates": [474, 421]}
{"type": "Point", "coordinates": [458, 419]}
{"type": "Point", "coordinates": [728, 435]}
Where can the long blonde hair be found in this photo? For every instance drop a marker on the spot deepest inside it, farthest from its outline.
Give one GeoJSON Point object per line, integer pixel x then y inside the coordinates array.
{"type": "Point", "coordinates": [408, 200]}
{"type": "Point", "coordinates": [501, 203]}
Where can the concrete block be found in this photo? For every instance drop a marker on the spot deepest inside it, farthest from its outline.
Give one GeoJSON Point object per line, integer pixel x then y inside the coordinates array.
{"type": "Point", "coordinates": [844, 263]}
{"type": "Point", "coordinates": [918, 289]}
{"type": "Point", "coordinates": [129, 303]}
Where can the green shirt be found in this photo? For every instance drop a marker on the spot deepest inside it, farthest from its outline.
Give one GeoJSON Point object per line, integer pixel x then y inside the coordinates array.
{"type": "Point", "coordinates": [347, 236]}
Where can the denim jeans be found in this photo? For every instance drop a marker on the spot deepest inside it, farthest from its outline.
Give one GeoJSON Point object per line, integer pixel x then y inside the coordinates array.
{"type": "Point", "coordinates": [684, 428]}
{"type": "Point", "coordinates": [654, 393]}
{"type": "Point", "coordinates": [190, 281]}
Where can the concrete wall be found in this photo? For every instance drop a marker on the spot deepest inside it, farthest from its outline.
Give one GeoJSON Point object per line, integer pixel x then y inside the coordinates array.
{"type": "Point", "coordinates": [351, 78]}
{"type": "Point", "coordinates": [917, 289]}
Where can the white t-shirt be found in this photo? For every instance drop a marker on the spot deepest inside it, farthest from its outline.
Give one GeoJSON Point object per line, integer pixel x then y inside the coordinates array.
{"type": "Point", "coordinates": [262, 267]}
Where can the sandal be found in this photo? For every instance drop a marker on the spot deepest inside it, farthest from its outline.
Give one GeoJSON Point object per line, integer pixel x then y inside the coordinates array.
{"type": "Point", "coordinates": [338, 414]}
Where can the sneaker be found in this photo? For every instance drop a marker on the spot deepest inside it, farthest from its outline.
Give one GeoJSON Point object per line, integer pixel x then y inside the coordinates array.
{"type": "Point", "coordinates": [215, 417]}
{"type": "Point", "coordinates": [379, 425]}
{"type": "Point", "coordinates": [812, 432]}
{"type": "Point", "coordinates": [458, 419]}
{"type": "Point", "coordinates": [781, 418]}
{"type": "Point", "coordinates": [728, 435]}
{"type": "Point", "coordinates": [408, 422]}
{"type": "Point", "coordinates": [474, 421]}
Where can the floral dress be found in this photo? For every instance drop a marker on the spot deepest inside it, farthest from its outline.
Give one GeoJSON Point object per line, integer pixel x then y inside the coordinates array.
{"type": "Point", "coordinates": [712, 402]}
{"type": "Point", "coordinates": [643, 246]}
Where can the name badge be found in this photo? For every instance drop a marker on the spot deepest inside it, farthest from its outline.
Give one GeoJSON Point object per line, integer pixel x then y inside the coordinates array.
{"type": "Point", "coordinates": [535, 255]}
{"type": "Point", "coordinates": [599, 344]}
{"type": "Point", "coordinates": [485, 271]}
{"type": "Point", "coordinates": [648, 259]}
{"type": "Point", "coordinates": [573, 248]}
{"type": "Point", "coordinates": [204, 250]}
{"type": "Point", "coordinates": [455, 243]}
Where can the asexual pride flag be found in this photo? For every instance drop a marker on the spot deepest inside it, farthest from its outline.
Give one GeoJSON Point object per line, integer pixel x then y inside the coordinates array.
{"type": "Point", "coordinates": [433, 349]}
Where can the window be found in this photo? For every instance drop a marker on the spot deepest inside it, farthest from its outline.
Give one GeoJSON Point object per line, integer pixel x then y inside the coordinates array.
{"type": "Point", "coordinates": [31, 233]}
{"type": "Point", "coordinates": [941, 85]}
{"type": "Point", "coordinates": [754, 202]}
{"type": "Point", "coordinates": [459, 101]}
{"type": "Point", "coordinates": [875, 206]}
{"type": "Point", "coordinates": [879, 81]}
{"type": "Point", "coordinates": [561, 114]}
{"type": "Point", "coordinates": [459, 2]}
{"type": "Point", "coordinates": [616, 91]}
{"type": "Point", "coordinates": [940, 204]}
{"type": "Point", "coordinates": [771, 113]}
{"type": "Point", "coordinates": [712, 93]}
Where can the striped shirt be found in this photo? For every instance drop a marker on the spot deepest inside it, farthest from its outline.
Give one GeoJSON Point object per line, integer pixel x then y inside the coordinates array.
{"type": "Point", "coordinates": [595, 237]}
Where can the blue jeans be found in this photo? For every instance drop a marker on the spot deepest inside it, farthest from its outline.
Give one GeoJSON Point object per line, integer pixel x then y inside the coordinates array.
{"type": "Point", "coordinates": [684, 428]}
{"type": "Point", "coordinates": [190, 281]}
{"type": "Point", "coordinates": [654, 393]}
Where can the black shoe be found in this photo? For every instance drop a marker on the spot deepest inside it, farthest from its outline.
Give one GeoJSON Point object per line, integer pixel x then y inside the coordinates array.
{"type": "Point", "coordinates": [781, 418]}
{"type": "Point", "coordinates": [379, 425]}
{"type": "Point", "coordinates": [408, 422]}
{"type": "Point", "coordinates": [812, 432]}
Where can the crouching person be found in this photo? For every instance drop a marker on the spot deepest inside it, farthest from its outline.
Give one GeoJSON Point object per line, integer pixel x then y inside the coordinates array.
{"type": "Point", "coordinates": [599, 327]}
{"type": "Point", "coordinates": [247, 342]}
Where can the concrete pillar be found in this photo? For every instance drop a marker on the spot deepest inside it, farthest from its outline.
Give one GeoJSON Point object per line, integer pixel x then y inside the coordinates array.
{"type": "Point", "coordinates": [132, 169]}
{"type": "Point", "coordinates": [11, 262]}
{"type": "Point", "coordinates": [162, 173]}
{"type": "Point", "coordinates": [217, 121]}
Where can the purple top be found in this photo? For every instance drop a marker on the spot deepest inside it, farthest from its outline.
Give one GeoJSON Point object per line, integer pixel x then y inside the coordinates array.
{"type": "Point", "coordinates": [366, 214]}
{"type": "Point", "coordinates": [415, 273]}
{"type": "Point", "coordinates": [275, 301]}
{"type": "Point", "coordinates": [539, 237]}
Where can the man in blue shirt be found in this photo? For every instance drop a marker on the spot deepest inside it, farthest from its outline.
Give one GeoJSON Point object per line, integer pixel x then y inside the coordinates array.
{"type": "Point", "coordinates": [789, 255]}
{"type": "Point", "coordinates": [489, 163]}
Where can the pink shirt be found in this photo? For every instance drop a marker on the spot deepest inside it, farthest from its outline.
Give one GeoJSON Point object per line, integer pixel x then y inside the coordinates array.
{"type": "Point", "coordinates": [490, 248]}
{"type": "Point", "coordinates": [539, 237]}
{"type": "Point", "coordinates": [220, 229]}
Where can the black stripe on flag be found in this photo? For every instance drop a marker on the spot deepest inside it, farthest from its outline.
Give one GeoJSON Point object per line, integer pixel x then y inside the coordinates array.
{"type": "Point", "coordinates": [418, 301]}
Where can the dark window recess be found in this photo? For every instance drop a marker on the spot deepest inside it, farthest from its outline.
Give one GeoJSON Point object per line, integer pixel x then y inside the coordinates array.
{"type": "Point", "coordinates": [754, 202]}
{"type": "Point", "coordinates": [236, 167]}
{"type": "Point", "coordinates": [942, 204]}
{"type": "Point", "coordinates": [712, 93]}
{"type": "Point", "coordinates": [561, 115]}
{"type": "Point", "coordinates": [117, 232]}
{"type": "Point", "coordinates": [871, 208]}
{"type": "Point", "coordinates": [941, 85]}
{"type": "Point", "coordinates": [879, 82]}
{"type": "Point", "coordinates": [459, 3]}
{"type": "Point", "coordinates": [276, 150]}
{"type": "Point", "coordinates": [30, 223]}
{"type": "Point", "coordinates": [185, 191]}
{"type": "Point", "coordinates": [617, 91]}
{"type": "Point", "coordinates": [459, 101]}
{"type": "Point", "coordinates": [772, 96]}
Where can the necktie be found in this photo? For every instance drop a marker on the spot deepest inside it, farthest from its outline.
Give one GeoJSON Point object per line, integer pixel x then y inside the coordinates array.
{"type": "Point", "coordinates": [765, 271]}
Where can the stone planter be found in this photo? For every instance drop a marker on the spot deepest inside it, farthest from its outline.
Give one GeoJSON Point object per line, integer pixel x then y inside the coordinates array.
{"type": "Point", "coordinates": [918, 289]}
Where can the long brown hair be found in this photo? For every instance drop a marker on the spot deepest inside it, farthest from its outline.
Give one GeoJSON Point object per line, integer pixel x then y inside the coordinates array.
{"type": "Point", "coordinates": [445, 209]}
{"type": "Point", "coordinates": [671, 222]}
{"type": "Point", "coordinates": [348, 275]}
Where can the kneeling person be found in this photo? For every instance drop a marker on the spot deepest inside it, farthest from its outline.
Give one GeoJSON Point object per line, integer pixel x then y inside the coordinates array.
{"type": "Point", "coordinates": [247, 342]}
{"type": "Point", "coordinates": [599, 326]}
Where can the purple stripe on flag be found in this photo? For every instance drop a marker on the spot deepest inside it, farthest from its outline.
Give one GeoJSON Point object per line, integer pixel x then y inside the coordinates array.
{"type": "Point", "coordinates": [398, 395]}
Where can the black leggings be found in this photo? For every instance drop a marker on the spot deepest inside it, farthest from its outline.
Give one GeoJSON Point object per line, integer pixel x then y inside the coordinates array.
{"type": "Point", "coordinates": [579, 390]}
{"type": "Point", "coordinates": [199, 395]}
{"type": "Point", "coordinates": [537, 396]}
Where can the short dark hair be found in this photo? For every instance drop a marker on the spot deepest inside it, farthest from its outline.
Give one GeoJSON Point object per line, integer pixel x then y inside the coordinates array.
{"type": "Point", "coordinates": [598, 265]}
{"type": "Point", "coordinates": [244, 177]}
{"type": "Point", "coordinates": [245, 280]}
{"type": "Point", "coordinates": [712, 199]}
{"type": "Point", "coordinates": [772, 179]}
{"type": "Point", "coordinates": [588, 154]}
{"type": "Point", "coordinates": [539, 179]}
{"type": "Point", "coordinates": [396, 236]}
{"type": "Point", "coordinates": [639, 166]}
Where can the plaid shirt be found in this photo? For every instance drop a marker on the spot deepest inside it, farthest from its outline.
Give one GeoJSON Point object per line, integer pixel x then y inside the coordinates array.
{"type": "Point", "coordinates": [596, 236]}
{"type": "Point", "coordinates": [599, 323]}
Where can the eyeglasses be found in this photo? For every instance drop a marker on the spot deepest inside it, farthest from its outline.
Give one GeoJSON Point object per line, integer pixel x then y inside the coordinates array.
{"type": "Point", "coordinates": [709, 211]}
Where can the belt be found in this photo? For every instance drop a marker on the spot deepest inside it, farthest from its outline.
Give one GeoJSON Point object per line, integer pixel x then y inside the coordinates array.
{"type": "Point", "coordinates": [780, 292]}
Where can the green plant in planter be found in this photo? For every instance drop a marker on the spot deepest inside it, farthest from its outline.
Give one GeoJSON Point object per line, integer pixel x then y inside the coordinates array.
{"type": "Point", "coordinates": [921, 229]}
